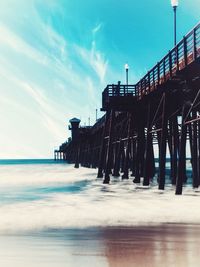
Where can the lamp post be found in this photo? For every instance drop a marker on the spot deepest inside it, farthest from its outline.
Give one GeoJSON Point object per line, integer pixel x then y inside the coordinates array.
{"type": "Point", "coordinates": [174, 4]}
{"type": "Point", "coordinates": [126, 68]}
{"type": "Point", "coordinates": [96, 114]}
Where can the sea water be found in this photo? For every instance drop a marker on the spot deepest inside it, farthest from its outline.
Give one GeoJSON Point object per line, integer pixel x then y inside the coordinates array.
{"type": "Point", "coordinates": [42, 194]}
{"type": "Point", "coordinates": [46, 206]}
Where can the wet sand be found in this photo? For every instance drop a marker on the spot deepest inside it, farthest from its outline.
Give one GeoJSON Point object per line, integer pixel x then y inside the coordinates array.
{"type": "Point", "coordinates": [149, 246]}
{"type": "Point", "coordinates": [158, 246]}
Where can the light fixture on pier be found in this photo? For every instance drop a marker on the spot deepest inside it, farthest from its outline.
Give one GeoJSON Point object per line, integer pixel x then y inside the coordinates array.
{"type": "Point", "coordinates": [96, 115]}
{"type": "Point", "coordinates": [126, 66]}
{"type": "Point", "coordinates": [174, 4]}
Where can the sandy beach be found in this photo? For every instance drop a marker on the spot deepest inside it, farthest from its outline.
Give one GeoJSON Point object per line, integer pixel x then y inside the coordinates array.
{"type": "Point", "coordinates": [148, 246]}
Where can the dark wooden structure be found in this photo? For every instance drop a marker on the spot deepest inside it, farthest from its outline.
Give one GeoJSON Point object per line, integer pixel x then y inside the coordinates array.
{"type": "Point", "coordinates": [162, 109]}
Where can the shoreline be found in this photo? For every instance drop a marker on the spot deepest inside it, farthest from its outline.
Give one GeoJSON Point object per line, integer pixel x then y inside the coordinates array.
{"type": "Point", "coordinates": [46, 231]}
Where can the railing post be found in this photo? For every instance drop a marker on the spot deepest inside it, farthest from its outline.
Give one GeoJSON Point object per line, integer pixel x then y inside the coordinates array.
{"type": "Point", "coordinates": [136, 93]}
{"type": "Point", "coordinates": [149, 82]}
{"type": "Point", "coordinates": [170, 64]}
{"type": "Point", "coordinates": [145, 85]}
{"type": "Point", "coordinates": [158, 67]}
{"type": "Point", "coordinates": [113, 90]}
{"type": "Point", "coordinates": [154, 79]}
{"type": "Point", "coordinates": [164, 70]}
{"type": "Point", "coordinates": [194, 44]}
{"type": "Point", "coordinates": [177, 59]}
{"type": "Point", "coordinates": [185, 50]}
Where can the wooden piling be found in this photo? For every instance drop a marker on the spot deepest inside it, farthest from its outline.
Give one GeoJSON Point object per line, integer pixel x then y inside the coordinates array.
{"type": "Point", "coordinates": [109, 149]}
{"type": "Point", "coordinates": [149, 165]}
{"type": "Point", "coordinates": [127, 156]}
{"type": "Point", "coordinates": [162, 149]}
{"type": "Point", "coordinates": [182, 154]}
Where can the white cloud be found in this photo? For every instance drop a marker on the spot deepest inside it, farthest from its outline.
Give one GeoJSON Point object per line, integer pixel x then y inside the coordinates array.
{"type": "Point", "coordinates": [42, 85]}
{"type": "Point", "coordinates": [95, 59]}
{"type": "Point", "coordinates": [54, 41]}
{"type": "Point", "coordinates": [8, 38]}
{"type": "Point", "coordinates": [97, 28]}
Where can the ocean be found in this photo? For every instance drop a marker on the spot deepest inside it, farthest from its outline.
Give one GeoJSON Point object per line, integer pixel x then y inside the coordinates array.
{"type": "Point", "coordinates": [52, 214]}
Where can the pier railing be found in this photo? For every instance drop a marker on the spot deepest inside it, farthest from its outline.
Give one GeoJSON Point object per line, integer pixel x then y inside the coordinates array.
{"type": "Point", "coordinates": [183, 54]}
{"type": "Point", "coordinates": [117, 90]}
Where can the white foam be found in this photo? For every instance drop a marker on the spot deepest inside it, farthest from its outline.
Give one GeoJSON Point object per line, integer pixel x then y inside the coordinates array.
{"type": "Point", "coordinates": [118, 204]}
{"type": "Point", "coordinates": [23, 175]}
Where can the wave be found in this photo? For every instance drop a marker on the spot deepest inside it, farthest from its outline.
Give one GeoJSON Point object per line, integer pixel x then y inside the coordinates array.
{"type": "Point", "coordinates": [61, 197]}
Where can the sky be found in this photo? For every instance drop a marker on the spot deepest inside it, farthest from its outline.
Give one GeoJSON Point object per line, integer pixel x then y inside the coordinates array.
{"type": "Point", "coordinates": [57, 56]}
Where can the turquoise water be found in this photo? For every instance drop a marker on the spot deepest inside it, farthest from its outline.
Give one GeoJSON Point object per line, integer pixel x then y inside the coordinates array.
{"type": "Point", "coordinates": [29, 161]}
{"type": "Point", "coordinates": [27, 190]}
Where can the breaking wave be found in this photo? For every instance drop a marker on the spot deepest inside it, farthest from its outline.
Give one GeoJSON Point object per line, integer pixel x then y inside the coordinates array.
{"type": "Point", "coordinates": [57, 196]}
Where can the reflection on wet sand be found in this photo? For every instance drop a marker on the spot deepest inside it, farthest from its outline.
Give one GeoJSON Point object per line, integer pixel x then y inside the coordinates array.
{"type": "Point", "coordinates": [150, 246]}
{"type": "Point", "coordinates": [159, 246]}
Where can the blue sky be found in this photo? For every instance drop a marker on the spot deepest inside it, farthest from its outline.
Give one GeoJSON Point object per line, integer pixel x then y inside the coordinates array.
{"type": "Point", "coordinates": [56, 57]}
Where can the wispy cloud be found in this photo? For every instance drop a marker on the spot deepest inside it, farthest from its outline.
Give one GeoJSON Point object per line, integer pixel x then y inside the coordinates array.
{"type": "Point", "coordinates": [45, 82]}
{"type": "Point", "coordinates": [9, 38]}
{"type": "Point", "coordinates": [97, 28]}
{"type": "Point", "coordinates": [95, 59]}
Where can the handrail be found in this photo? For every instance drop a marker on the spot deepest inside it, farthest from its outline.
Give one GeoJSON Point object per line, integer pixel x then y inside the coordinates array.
{"type": "Point", "coordinates": [117, 90]}
{"type": "Point", "coordinates": [120, 90]}
{"type": "Point", "coordinates": [184, 53]}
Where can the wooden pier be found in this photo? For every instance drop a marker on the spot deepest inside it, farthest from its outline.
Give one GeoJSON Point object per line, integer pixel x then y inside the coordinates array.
{"type": "Point", "coordinates": [160, 112]}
